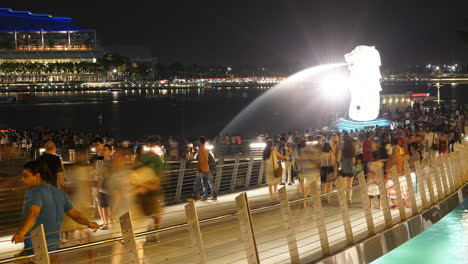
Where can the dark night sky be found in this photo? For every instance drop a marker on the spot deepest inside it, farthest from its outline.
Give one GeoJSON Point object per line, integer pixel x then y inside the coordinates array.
{"type": "Point", "coordinates": [272, 32]}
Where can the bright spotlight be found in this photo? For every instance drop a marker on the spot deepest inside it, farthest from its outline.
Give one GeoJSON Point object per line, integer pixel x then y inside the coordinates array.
{"type": "Point", "coordinates": [209, 147]}
{"type": "Point", "coordinates": [258, 145]}
{"type": "Point", "coordinates": [334, 85]}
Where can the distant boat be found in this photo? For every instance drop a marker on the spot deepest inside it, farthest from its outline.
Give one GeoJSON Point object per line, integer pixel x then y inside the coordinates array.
{"type": "Point", "coordinates": [114, 89]}
{"type": "Point", "coordinates": [25, 97]}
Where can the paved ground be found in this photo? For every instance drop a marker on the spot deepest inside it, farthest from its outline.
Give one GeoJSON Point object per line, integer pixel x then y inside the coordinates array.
{"type": "Point", "coordinates": [222, 240]}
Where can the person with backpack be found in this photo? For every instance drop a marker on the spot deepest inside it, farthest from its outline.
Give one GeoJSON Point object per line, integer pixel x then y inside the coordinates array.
{"type": "Point", "coordinates": [204, 176]}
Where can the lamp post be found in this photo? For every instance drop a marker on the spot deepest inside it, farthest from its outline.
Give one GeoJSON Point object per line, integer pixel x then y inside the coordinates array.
{"type": "Point", "coordinates": [438, 92]}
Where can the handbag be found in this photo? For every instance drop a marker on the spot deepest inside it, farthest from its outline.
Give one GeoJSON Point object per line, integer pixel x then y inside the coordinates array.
{"type": "Point", "coordinates": [278, 171]}
{"type": "Point", "coordinates": [434, 145]}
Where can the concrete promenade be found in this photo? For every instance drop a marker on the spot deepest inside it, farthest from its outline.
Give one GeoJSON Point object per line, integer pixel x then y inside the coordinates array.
{"type": "Point", "coordinates": [223, 242]}
{"type": "Point", "coordinates": [223, 238]}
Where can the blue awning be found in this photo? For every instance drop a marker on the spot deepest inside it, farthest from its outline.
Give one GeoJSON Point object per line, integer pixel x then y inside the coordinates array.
{"type": "Point", "coordinates": [25, 21]}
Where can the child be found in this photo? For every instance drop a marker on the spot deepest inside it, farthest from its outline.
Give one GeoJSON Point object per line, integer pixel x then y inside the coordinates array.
{"type": "Point", "coordinates": [359, 166]}
{"type": "Point", "coordinates": [372, 188]}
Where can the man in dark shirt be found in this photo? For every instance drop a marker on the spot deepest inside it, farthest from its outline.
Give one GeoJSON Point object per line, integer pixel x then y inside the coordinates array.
{"type": "Point", "coordinates": [54, 163]}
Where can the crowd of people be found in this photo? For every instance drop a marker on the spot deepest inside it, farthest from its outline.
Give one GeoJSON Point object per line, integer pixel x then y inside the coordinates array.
{"type": "Point", "coordinates": [119, 181]}
{"type": "Point", "coordinates": [318, 159]}
{"type": "Point", "coordinates": [124, 178]}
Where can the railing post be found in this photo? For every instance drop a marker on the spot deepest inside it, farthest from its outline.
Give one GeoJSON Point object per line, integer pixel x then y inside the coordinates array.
{"type": "Point", "coordinates": [234, 174]}
{"type": "Point", "coordinates": [195, 233]}
{"type": "Point", "coordinates": [383, 195]}
{"type": "Point", "coordinates": [180, 180]}
{"type": "Point", "coordinates": [427, 172]}
{"type": "Point", "coordinates": [247, 229]}
{"type": "Point", "coordinates": [399, 198]}
{"type": "Point", "coordinates": [344, 211]}
{"type": "Point", "coordinates": [128, 234]}
{"type": "Point", "coordinates": [421, 185]}
{"type": "Point", "coordinates": [464, 166]}
{"type": "Point", "coordinates": [320, 220]}
{"type": "Point", "coordinates": [411, 194]}
{"type": "Point", "coordinates": [261, 172]}
{"type": "Point", "coordinates": [450, 171]}
{"type": "Point", "coordinates": [435, 170]}
{"type": "Point", "coordinates": [461, 166]}
{"type": "Point", "coordinates": [440, 161]}
{"type": "Point", "coordinates": [463, 162]}
{"type": "Point", "coordinates": [365, 203]}
{"type": "Point", "coordinates": [289, 223]}
{"type": "Point", "coordinates": [219, 173]}
{"type": "Point", "coordinates": [249, 171]}
{"type": "Point", "coordinates": [41, 252]}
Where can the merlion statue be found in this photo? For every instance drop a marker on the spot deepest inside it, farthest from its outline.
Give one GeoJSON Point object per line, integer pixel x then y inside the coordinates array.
{"type": "Point", "coordinates": [364, 83]}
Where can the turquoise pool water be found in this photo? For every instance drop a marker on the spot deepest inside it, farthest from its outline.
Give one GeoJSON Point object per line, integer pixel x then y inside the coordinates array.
{"type": "Point", "coordinates": [444, 242]}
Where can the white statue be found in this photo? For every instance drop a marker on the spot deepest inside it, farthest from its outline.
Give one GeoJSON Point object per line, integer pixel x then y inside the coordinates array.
{"type": "Point", "coordinates": [364, 83]}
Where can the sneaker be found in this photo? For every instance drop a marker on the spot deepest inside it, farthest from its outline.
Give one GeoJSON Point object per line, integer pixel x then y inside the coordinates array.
{"type": "Point", "coordinates": [213, 198]}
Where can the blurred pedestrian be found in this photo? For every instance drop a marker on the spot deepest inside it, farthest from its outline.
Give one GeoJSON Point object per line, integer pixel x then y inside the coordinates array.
{"type": "Point", "coordinates": [271, 164]}
{"type": "Point", "coordinates": [45, 204]}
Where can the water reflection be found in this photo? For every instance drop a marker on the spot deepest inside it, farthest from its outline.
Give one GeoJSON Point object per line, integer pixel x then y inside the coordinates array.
{"type": "Point", "coordinates": [446, 241]}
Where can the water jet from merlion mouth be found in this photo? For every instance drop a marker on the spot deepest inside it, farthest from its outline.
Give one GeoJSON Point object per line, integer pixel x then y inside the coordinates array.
{"type": "Point", "coordinates": [295, 103]}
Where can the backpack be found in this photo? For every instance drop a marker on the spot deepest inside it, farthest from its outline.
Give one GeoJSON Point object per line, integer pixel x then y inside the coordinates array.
{"type": "Point", "coordinates": [211, 162]}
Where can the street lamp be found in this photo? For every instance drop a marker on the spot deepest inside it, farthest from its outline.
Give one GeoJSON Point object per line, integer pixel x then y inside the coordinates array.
{"type": "Point", "coordinates": [438, 92]}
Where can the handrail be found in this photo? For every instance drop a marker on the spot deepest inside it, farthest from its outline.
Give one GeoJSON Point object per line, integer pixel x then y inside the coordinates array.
{"type": "Point", "coordinates": [455, 172]}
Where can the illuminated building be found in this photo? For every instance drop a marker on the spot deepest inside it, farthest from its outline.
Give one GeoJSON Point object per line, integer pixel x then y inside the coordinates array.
{"type": "Point", "coordinates": [28, 37]}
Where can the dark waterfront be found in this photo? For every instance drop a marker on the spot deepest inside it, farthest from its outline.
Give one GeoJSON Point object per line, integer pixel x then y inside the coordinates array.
{"type": "Point", "coordinates": [187, 112]}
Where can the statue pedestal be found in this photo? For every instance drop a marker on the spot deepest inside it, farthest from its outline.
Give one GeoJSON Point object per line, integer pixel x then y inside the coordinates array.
{"type": "Point", "coordinates": [345, 124]}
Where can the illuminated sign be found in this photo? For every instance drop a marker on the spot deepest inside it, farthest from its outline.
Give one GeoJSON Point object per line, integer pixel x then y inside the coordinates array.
{"type": "Point", "coordinates": [420, 95]}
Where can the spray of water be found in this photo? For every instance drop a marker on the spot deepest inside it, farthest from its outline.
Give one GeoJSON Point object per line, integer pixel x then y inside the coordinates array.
{"type": "Point", "coordinates": [285, 88]}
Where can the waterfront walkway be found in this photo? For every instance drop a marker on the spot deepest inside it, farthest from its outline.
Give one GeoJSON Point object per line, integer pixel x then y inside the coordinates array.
{"type": "Point", "coordinates": [222, 233]}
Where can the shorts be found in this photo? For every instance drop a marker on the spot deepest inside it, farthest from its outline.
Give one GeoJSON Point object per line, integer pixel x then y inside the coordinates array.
{"type": "Point", "coordinates": [104, 199]}
{"type": "Point", "coordinates": [326, 175]}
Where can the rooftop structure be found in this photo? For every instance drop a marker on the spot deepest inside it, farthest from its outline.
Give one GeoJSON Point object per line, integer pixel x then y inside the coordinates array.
{"type": "Point", "coordinates": [28, 37]}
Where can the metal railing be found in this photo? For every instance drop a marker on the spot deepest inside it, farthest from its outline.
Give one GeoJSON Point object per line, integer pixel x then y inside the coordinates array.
{"type": "Point", "coordinates": [254, 229]}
